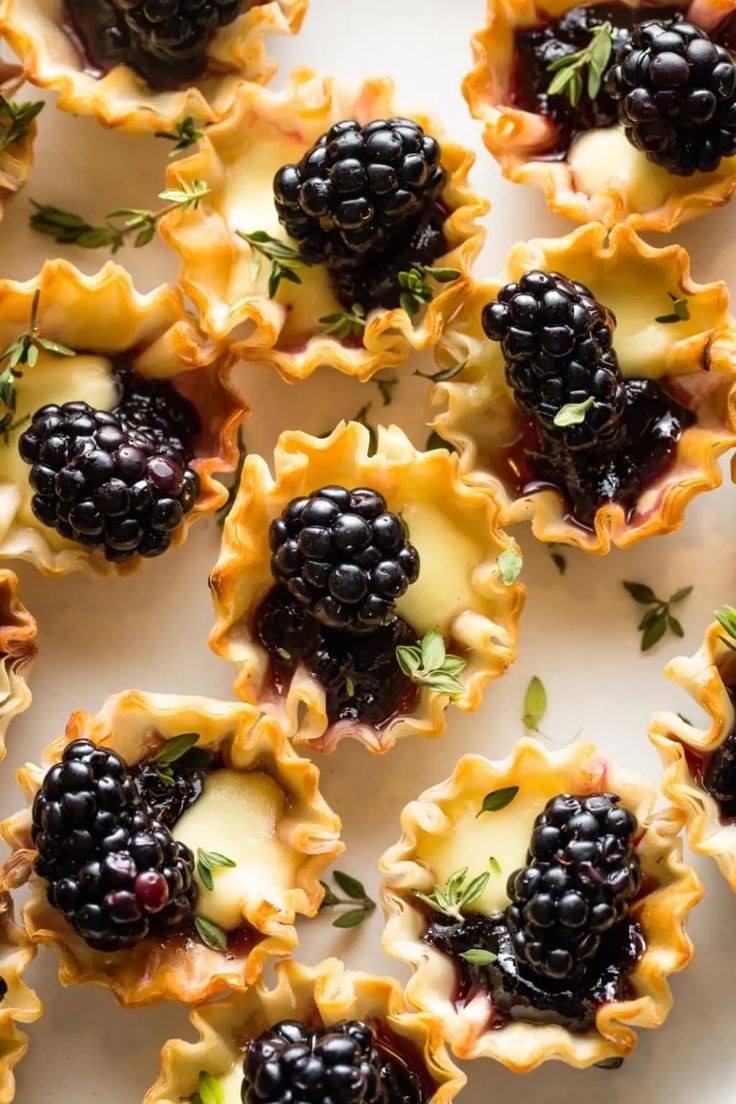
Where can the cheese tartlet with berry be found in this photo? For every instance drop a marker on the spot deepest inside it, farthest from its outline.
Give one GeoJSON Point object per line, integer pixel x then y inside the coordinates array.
{"type": "Point", "coordinates": [700, 762]}
{"type": "Point", "coordinates": [591, 386]}
{"type": "Point", "coordinates": [17, 134]}
{"type": "Point", "coordinates": [364, 583]}
{"type": "Point", "coordinates": [170, 842]}
{"type": "Point", "coordinates": [115, 412]}
{"type": "Point", "coordinates": [617, 111]}
{"type": "Point", "coordinates": [352, 1031]}
{"type": "Point", "coordinates": [541, 903]}
{"type": "Point", "coordinates": [335, 230]}
{"type": "Point", "coordinates": [145, 65]}
{"type": "Point", "coordinates": [18, 1003]}
{"type": "Point", "coordinates": [18, 633]}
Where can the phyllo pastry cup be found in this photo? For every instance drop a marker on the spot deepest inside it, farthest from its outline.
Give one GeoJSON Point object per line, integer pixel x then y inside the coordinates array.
{"type": "Point", "coordinates": [19, 1004]}
{"type": "Point", "coordinates": [53, 55]}
{"type": "Point", "coordinates": [319, 997]}
{"type": "Point", "coordinates": [16, 157]}
{"type": "Point", "coordinates": [17, 652]}
{"type": "Point", "coordinates": [597, 175]}
{"type": "Point", "coordinates": [239, 813]}
{"type": "Point", "coordinates": [473, 831]}
{"type": "Point", "coordinates": [675, 344]}
{"type": "Point", "coordinates": [455, 624]}
{"type": "Point", "coordinates": [96, 340]}
{"type": "Point", "coordinates": [698, 759]}
{"type": "Point", "coordinates": [296, 327]}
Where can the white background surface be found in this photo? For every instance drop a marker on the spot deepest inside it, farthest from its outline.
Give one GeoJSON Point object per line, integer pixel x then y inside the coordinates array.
{"type": "Point", "coordinates": [578, 632]}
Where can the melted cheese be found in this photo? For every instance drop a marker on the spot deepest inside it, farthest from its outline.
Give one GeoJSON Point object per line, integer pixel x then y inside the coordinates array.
{"type": "Point", "coordinates": [600, 157]}
{"type": "Point", "coordinates": [231, 1084]}
{"type": "Point", "coordinates": [238, 816]}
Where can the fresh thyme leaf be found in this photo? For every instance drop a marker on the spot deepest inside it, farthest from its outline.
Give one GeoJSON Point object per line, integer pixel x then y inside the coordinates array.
{"type": "Point", "coordinates": [658, 618]}
{"type": "Point", "coordinates": [653, 633]}
{"type": "Point", "coordinates": [428, 664]}
{"type": "Point", "coordinates": [173, 749]}
{"type": "Point", "coordinates": [416, 291]}
{"type": "Point", "coordinates": [207, 861]}
{"type": "Point", "coordinates": [360, 904]}
{"type": "Point", "coordinates": [641, 593]}
{"type": "Point", "coordinates": [559, 561]}
{"type": "Point", "coordinates": [386, 387]}
{"type": "Point", "coordinates": [455, 895]}
{"type": "Point", "coordinates": [680, 311]}
{"type": "Point", "coordinates": [726, 618]}
{"type": "Point", "coordinates": [685, 719]}
{"type": "Point", "coordinates": [572, 414]}
{"type": "Point", "coordinates": [362, 418]}
{"type": "Point", "coordinates": [494, 864]}
{"type": "Point", "coordinates": [510, 564]}
{"type": "Point", "coordinates": [234, 487]}
{"type": "Point", "coordinates": [444, 374]}
{"type": "Point", "coordinates": [476, 956]}
{"type": "Point", "coordinates": [209, 1090]}
{"type": "Point", "coordinates": [345, 324]}
{"type": "Point", "coordinates": [680, 595]}
{"type": "Point", "coordinates": [434, 441]}
{"type": "Point", "coordinates": [185, 134]}
{"type": "Point", "coordinates": [350, 885]}
{"type": "Point", "coordinates": [16, 119]}
{"type": "Point", "coordinates": [535, 704]}
{"type": "Point", "coordinates": [349, 687]}
{"type": "Point", "coordinates": [590, 62]}
{"type": "Point", "coordinates": [496, 800]}
{"type": "Point", "coordinates": [350, 919]}
{"type": "Point", "coordinates": [211, 934]}
{"type": "Point", "coordinates": [284, 259]}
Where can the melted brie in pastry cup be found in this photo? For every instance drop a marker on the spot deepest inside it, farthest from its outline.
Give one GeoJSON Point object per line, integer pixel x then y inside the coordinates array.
{"type": "Point", "coordinates": [441, 832]}
{"type": "Point", "coordinates": [228, 282]}
{"type": "Point", "coordinates": [459, 591]}
{"type": "Point", "coordinates": [36, 30]}
{"type": "Point", "coordinates": [323, 995]}
{"type": "Point", "coordinates": [686, 747]}
{"type": "Point", "coordinates": [20, 1005]}
{"type": "Point", "coordinates": [696, 358]}
{"type": "Point", "coordinates": [16, 159]}
{"type": "Point", "coordinates": [601, 177]}
{"type": "Point", "coordinates": [104, 319]}
{"type": "Point", "coordinates": [17, 651]}
{"type": "Point", "coordinates": [262, 808]}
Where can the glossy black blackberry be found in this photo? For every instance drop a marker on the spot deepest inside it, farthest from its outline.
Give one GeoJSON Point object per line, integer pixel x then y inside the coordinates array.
{"type": "Point", "coordinates": [3, 988]}
{"type": "Point", "coordinates": [359, 189]}
{"type": "Point", "coordinates": [113, 870]}
{"type": "Point", "coordinates": [344, 556]}
{"type": "Point", "coordinates": [676, 94]}
{"type": "Point", "coordinates": [344, 1064]}
{"type": "Point", "coordinates": [556, 340]}
{"type": "Point", "coordinates": [582, 871]}
{"type": "Point", "coordinates": [286, 628]}
{"type": "Point", "coordinates": [105, 486]}
{"type": "Point", "coordinates": [168, 800]}
{"type": "Point", "coordinates": [155, 408]}
{"type": "Point", "coordinates": [719, 776]}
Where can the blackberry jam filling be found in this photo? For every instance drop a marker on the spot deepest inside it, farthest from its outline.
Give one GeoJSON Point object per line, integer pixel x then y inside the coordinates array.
{"type": "Point", "coordinates": [3, 988]}
{"type": "Point", "coordinates": [587, 432]}
{"type": "Point", "coordinates": [352, 1062]}
{"type": "Point", "coordinates": [164, 41]}
{"type": "Point", "coordinates": [717, 772]}
{"type": "Point", "coordinates": [365, 202]}
{"type": "Point", "coordinates": [565, 944]}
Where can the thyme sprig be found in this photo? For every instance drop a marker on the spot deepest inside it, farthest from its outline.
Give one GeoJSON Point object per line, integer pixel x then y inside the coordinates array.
{"type": "Point", "coordinates": [444, 374]}
{"type": "Point", "coordinates": [356, 899]}
{"type": "Point", "coordinates": [416, 291]}
{"type": "Point", "coordinates": [478, 956]}
{"type": "Point", "coordinates": [68, 228]}
{"type": "Point", "coordinates": [535, 704]}
{"type": "Point", "coordinates": [185, 134]}
{"type": "Point", "coordinates": [284, 260]}
{"type": "Point", "coordinates": [509, 564]}
{"type": "Point", "coordinates": [680, 311]}
{"type": "Point", "coordinates": [211, 934]}
{"type": "Point", "coordinates": [344, 324]}
{"type": "Point", "coordinates": [493, 802]}
{"type": "Point", "coordinates": [659, 617]}
{"type": "Point", "coordinates": [209, 1090]}
{"type": "Point", "coordinates": [428, 664]}
{"type": "Point", "coordinates": [16, 119]}
{"type": "Point", "coordinates": [726, 618]}
{"type": "Point", "coordinates": [590, 62]}
{"type": "Point", "coordinates": [456, 894]}
{"type": "Point", "coordinates": [208, 862]}
{"type": "Point", "coordinates": [180, 749]}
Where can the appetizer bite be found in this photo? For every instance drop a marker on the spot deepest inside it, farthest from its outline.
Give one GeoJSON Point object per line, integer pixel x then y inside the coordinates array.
{"type": "Point", "coordinates": [18, 1003]}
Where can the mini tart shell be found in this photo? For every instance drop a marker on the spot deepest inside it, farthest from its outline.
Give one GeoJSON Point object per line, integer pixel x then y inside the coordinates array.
{"type": "Point", "coordinates": [217, 266]}
{"type": "Point", "coordinates": [480, 418]}
{"type": "Point", "coordinates": [483, 621]}
{"type": "Point", "coordinates": [134, 724]}
{"type": "Point", "coordinates": [700, 675]}
{"type": "Point", "coordinates": [104, 314]}
{"type": "Point", "coordinates": [661, 912]}
{"type": "Point", "coordinates": [20, 1004]}
{"type": "Point", "coordinates": [17, 652]}
{"type": "Point", "coordinates": [520, 140]}
{"type": "Point", "coordinates": [328, 993]}
{"type": "Point", "coordinates": [16, 160]}
{"type": "Point", "coordinates": [121, 98]}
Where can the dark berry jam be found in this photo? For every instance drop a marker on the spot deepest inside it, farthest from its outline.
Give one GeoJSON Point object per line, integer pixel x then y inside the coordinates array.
{"type": "Point", "coordinates": [538, 47]}
{"type": "Point", "coordinates": [402, 1068]}
{"type": "Point", "coordinates": [518, 995]}
{"type": "Point", "coordinates": [158, 409]}
{"type": "Point", "coordinates": [653, 423]}
{"type": "Point", "coordinates": [716, 772]}
{"type": "Point", "coordinates": [359, 671]}
{"type": "Point", "coordinates": [169, 794]}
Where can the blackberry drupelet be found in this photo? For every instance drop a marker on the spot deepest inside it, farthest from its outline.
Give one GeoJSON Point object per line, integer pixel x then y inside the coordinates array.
{"type": "Point", "coordinates": [112, 868]}
{"type": "Point", "coordinates": [582, 872]}
{"type": "Point", "coordinates": [676, 93]}
{"type": "Point", "coordinates": [155, 408]}
{"type": "Point", "coordinates": [343, 556]}
{"type": "Point", "coordinates": [556, 340]}
{"type": "Point", "coordinates": [719, 777]}
{"type": "Point", "coordinates": [294, 1064]}
{"type": "Point", "coordinates": [359, 189]}
{"type": "Point", "coordinates": [286, 628]}
{"type": "Point", "coordinates": [103, 485]}
{"type": "Point", "coordinates": [375, 282]}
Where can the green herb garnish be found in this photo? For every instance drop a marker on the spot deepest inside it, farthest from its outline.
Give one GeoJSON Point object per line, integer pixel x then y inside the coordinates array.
{"type": "Point", "coordinates": [569, 71]}
{"type": "Point", "coordinates": [284, 259]}
{"type": "Point", "coordinates": [185, 134]}
{"type": "Point", "coordinates": [494, 864]}
{"type": "Point", "coordinates": [444, 374]}
{"type": "Point", "coordinates": [415, 291]}
{"type": "Point", "coordinates": [455, 895]}
{"type": "Point", "coordinates": [179, 749]}
{"type": "Point", "coordinates": [476, 956]}
{"type": "Point", "coordinates": [386, 388]}
{"type": "Point", "coordinates": [209, 861]}
{"type": "Point", "coordinates": [209, 1090]}
{"type": "Point", "coordinates": [360, 905]}
{"type": "Point", "coordinates": [558, 560]}
{"type": "Point", "coordinates": [510, 564]}
{"type": "Point", "coordinates": [726, 618]}
{"type": "Point", "coordinates": [345, 324]}
{"type": "Point", "coordinates": [659, 618]}
{"type": "Point", "coordinates": [572, 414]}
{"type": "Point", "coordinates": [428, 664]}
{"type": "Point", "coordinates": [493, 802]}
{"type": "Point", "coordinates": [16, 119]}
{"type": "Point", "coordinates": [680, 311]}
{"type": "Point", "coordinates": [211, 934]}
{"type": "Point", "coordinates": [535, 704]}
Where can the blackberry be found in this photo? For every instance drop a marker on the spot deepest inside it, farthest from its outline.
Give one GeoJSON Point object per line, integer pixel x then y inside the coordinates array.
{"type": "Point", "coordinates": [294, 1064]}
{"type": "Point", "coordinates": [676, 94]}
{"type": "Point", "coordinates": [112, 868]}
{"type": "Point", "coordinates": [359, 189]}
{"type": "Point", "coordinates": [719, 776]}
{"type": "Point", "coordinates": [556, 339]}
{"type": "Point", "coordinates": [286, 628]}
{"type": "Point", "coordinates": [375, 282]}
{"type": "Point", "coordinates": [103, 485]}
{"type": "Point", "coordinates": [155, 408]}
{"type": "Point", "coordinates": [582, 870]}
{"type": "Point", "coordinates": [343, 556]}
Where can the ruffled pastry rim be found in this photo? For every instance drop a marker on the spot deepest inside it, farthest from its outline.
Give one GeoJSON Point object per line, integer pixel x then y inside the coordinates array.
{"type": "Point", "coordinates": [699, 448]}
{"type": "Point", "coordinates": [122, 99]}
{"type": "Point", "coordinates": [671, 734]}
{"type": "Point", "coordinates": [166, 344]}
{"type": "Point", "coordinates": [512, 136]}
{"type": "Point", "coordinates": [16, 160]}
{"type": "Point", "coordinates": [491, 644]}
{"type": "Point", "coordinates": [18, 631]}
{"type": "Point", "coordinates": [390, 335]}
{"type": "Point", "coordinates": [154, 971]}
{"type": "Point", "coordinates": [20, 1004]}
{"type": "Point", "coordinates": [662, 914]}
{"type": "Point", "coordinates": [329, 989]}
